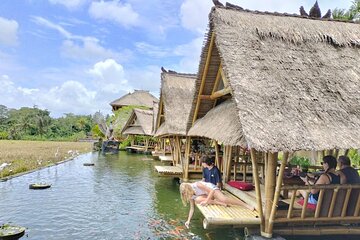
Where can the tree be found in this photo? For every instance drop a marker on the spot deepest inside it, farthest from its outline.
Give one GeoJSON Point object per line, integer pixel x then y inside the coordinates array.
{"type": "Point", "coordinates": [353, 14]}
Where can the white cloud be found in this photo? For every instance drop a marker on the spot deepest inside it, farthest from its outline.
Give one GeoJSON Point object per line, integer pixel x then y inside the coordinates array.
{"type": "Point", "coordinates": [8, 31]}
{"type": "Point", "coordinates": [151, 50]}
{"type": "Point", "coordinates": [109, 76]}
{"type": "Point", "coordinates": [146, 78]}
{"type": "Point", "coordinates": [82, 47]}
{"type": "Point", "coordinates": [194, 15]}
{"type": "Point", "coordinates": [121, 13]}
{"type": "Point", "coordinates": [190, 54]}
{"type": "Point", "coordinates": [70, 4]}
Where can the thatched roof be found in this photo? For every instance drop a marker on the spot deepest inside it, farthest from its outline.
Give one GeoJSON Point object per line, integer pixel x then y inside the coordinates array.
{"type": "Point", "coordinates": [295, 81]}
{"type": "Point", "coordinates": [177, 90]}
{"type": "Point", "coordinates": [221, 124]}
{"type": "Point", "coordinates": [137, 98]}
{"type": "Point", "coordinates": [139, 123]}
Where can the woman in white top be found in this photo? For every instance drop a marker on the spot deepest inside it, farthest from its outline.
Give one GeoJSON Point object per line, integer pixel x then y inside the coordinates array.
{"type": "Point", "coordinates": [205, 193]}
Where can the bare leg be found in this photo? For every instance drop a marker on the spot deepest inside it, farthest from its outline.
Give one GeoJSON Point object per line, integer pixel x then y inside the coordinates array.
{"type": "Point", "coordinates": [230, 201]}
{"type": "Point", "coordinates": [203, 198]}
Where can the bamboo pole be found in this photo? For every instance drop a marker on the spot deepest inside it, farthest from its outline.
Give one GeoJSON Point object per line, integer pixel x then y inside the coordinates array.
{"type": "Point", "coordinates": [269, 190]}
{"type": "Point", "coordinates": [319, 203]}
{"type": "Point", "coordinates": [204, 75]}
{"type": "Point", "coordinates": [228, 164]}
{"type": "Point", "coordinates": [332, 205]}
{"type": "Point", "coordinates": [257, 188]}
{"type": "Point", "coordinates": [186, 160]}
{"type": "Point", "coordinates": [346, 202]}
{"type": "Point", "coordinates": [291, 207]}
{"type": "Point", "coordinates": [277, 192]}
{"type": "Point", "coordinates": [217, 160]}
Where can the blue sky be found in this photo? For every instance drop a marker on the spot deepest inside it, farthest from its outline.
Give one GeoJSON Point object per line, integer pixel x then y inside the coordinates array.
{"type": "Point", "coordinates": [78, 55]}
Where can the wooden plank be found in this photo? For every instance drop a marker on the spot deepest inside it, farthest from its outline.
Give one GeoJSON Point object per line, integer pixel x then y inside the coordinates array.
{"type": "Point", "coordinates": [169, 170]}
{"type": "Point", "coordinates": [166, 158]}
{"type": "Point", "coordinates": [232, 215]}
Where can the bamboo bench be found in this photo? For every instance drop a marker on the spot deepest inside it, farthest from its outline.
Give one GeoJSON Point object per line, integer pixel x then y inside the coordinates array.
{"type": "Point", "coordinates": [338, 206]}
{"type": "Point", "coordinates": [216, 215]}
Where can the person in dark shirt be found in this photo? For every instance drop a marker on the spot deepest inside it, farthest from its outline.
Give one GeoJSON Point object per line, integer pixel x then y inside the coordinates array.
{"type": "Point", "coordinates": [350, 174]}
{"type": "Point", "coordinates": [210, 172]}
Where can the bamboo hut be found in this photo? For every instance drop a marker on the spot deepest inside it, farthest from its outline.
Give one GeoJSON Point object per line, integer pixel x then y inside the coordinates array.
{"type": "Point", "coordinates": [278, 83]}
{"type": "Point", "coordinates": [176, 96]}
{"type": "Point", "coordinates": [136, 98]}
{"type": "Point", "coordinates": [139, 124]}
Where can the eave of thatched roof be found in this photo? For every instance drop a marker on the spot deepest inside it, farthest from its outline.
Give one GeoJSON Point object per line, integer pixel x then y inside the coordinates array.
{"type": "Point", "coordinates": [143, 123]}
{"type": "Point", "coordinates": [221, 124]}
{"type": "Point", "coordinates": [295, 81]}
{"type": "Point", "coordinates": [137, 98]}
{"type": "Point", "coordinates": [177, 91]}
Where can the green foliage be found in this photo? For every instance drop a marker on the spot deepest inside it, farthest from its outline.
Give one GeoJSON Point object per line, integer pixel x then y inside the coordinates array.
{"type": "Point", "coordinates": [4, 135]}
{"type": "Point", "coordinates": [354, 157]}
{"type": "Point", "coordinates": [303, 162]}
{"type": "Point", "coordinates": [96, 131]}
{"type": "Point", "coordinates": [353, 14]}
{"type": "Point", "coordinates": [36, 124]}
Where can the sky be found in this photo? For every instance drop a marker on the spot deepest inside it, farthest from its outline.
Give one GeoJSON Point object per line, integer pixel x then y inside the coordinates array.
{"type": "Point", "coordinates": [77, 56]}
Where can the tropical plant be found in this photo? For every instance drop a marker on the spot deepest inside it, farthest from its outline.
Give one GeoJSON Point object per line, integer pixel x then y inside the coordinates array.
{"type": "Point", "coordinates": [303, 162]}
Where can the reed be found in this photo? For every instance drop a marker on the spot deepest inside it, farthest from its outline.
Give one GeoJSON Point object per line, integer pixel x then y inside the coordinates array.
{"type": "Point", "coordinates": [29, 155]}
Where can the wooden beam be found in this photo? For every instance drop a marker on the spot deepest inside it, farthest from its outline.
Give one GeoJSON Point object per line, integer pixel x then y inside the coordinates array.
{"type": "Point", "coordinates": [277, 191]}
{"type": "Point", "coordinates": [269, 190]}
{"type": "Point", "coordinates": [220, 93]}
{"type": "Point", "coordinates": [160, 114]}
{"type": "Point", "coordinates": [257, 187]}
{"type": "Point", "coordinates": [186, 160]}
{"type": "Point", "coordinates": [225, 80]}
{"type": "Point", "coordinates": [204, 75]}
{"type": "Point", "coordinates": [217, 80]}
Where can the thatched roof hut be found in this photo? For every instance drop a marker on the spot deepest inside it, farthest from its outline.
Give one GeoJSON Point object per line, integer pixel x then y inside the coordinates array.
{"type": "Point", "coordinates": [139, 123]}
{"type": "Point", "coordinates": [177, 90]}
{"type": "Point", "coordinates": [294, 82]}
{"type": "Point", "coordinates": [137, 98]}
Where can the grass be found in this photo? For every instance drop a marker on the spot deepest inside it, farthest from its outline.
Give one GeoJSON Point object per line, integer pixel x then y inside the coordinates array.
{"type": "Point", "coordinates": [29, 155]}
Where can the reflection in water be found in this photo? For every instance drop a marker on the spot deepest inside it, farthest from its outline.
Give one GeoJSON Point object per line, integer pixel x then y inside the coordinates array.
{"type": "Point", "coordinates": [120, 197]}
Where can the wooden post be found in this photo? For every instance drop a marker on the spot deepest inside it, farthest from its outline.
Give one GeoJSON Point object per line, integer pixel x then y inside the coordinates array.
{"type": "Point", "coordinates": [257, 187]}
{"type": "Point", "coordinates": [270, 179]}
{"type": "Point", "coordinates": [277, 192]}
{"type": "Point", "coordinates": [227, 169]}
{"type": "Point", "coordinates": [186, 160]}
{"type": "Point", "coordinates": [146, 143]}
{"type": "Point", "coordinates": [217, 160]}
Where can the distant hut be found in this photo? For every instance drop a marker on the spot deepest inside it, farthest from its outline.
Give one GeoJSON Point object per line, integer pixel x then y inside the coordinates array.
{"type": "Point", "coordinates": [137, 98]}
{"type": "Point", "coordinates": [139, 124]}
{"type": "Point", "coordinates": [275, 83]}
{"type": "Point", "coordinates": [176, 98]}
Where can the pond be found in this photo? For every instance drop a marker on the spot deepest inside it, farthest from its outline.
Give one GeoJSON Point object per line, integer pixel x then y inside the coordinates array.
{"type": "Point", "coordinates": [121, 197]}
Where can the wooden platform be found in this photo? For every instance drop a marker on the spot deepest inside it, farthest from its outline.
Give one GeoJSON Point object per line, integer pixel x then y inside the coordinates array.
{"type": "Point", "coordinates": [169, 171]}
{"type": "Point", "coordinates": [166, 158]}
{"type": "Point", "coordinates": [239, 216]}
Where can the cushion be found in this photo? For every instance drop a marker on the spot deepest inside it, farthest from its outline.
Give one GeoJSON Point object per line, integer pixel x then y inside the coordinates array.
{"type": "Point", "coordinates": [244, 186]}
{"type": "Point", "coordinates": [308, 206]}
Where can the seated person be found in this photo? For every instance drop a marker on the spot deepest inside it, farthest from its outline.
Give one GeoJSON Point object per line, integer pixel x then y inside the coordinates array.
{"type": "Point", "coordinates": [330, 176]}
{"type": "Point", "coordinates": [350, 175]}
{"type": "Point", "coordinates": [210, 172]}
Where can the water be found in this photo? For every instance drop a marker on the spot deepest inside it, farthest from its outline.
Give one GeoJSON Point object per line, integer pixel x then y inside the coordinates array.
{"type": "Point", "coordinates": [121, 197]}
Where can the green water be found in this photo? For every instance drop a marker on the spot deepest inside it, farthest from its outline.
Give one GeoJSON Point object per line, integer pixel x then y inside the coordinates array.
{"type": "Point", "coordinates": [121, 197]}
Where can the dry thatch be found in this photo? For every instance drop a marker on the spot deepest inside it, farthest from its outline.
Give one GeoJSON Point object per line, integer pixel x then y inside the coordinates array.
{"type": "Point", "coordinates": [137, 98]}
{"type": "Point", "coordinates": [221, 124]}
{"type": "Point", "coordinates": [295, 81]}
{"type": "Point", "coordinates": [177, 92]}
{"type": "Point", "coordinates": [155, 113]}
{"type": "Point", "coordinates": [139, 123]}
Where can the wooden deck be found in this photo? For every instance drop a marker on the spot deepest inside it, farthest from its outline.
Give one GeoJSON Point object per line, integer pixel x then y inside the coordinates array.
{"type": "Point", "coordinates": [169, 171]}
{"type": "Point", "coordinates": [166, 158]}
{"type": "Point", "coordinates": [239, 216]}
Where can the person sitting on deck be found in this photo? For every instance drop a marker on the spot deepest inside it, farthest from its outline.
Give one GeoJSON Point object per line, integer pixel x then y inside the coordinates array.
{"type": "Point", "coordinates": [351, 176]}
{"type": "Point", "coordinates": [210, 172]}
{"type": "Point", "coordinates": [330, 176]}
{"type": "Point", "coordinates": [205, 193]}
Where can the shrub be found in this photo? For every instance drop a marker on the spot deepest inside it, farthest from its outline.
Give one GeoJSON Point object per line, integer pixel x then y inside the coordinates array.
{"type": "Point", "coordinates": [303, 162]}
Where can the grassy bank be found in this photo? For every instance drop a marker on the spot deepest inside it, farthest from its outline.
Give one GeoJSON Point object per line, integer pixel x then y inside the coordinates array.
{"type": "Point", "coordinates": [29, 155]}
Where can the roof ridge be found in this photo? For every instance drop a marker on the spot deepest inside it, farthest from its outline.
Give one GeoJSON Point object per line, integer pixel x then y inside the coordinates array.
{"type": "Point", "coordinates": [234, 7]}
